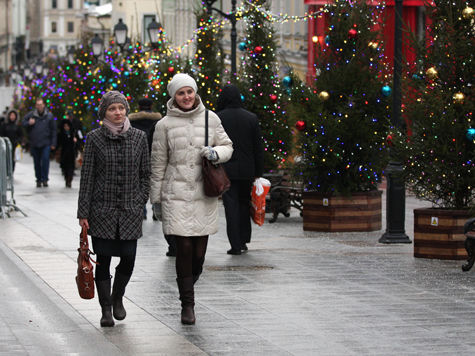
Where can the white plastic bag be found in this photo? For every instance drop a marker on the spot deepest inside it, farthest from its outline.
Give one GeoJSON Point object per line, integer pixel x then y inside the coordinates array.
{"type": "Point", "coordinates": [18, 153]}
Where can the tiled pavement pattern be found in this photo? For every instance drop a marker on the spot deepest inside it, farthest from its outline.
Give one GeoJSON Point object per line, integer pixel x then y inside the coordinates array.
{"type": "Point", "coordinates": [293, 293]}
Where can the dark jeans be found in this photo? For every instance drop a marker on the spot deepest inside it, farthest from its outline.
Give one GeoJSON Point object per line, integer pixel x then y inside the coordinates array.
{"type": "Point", "coordinates": [41, 161]}
{"type": "Point", "coordinates": [236, 203]}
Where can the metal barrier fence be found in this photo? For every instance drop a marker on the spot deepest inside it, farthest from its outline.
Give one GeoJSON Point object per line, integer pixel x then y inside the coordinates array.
{"type": "Point", "coordinates": [7, 200]}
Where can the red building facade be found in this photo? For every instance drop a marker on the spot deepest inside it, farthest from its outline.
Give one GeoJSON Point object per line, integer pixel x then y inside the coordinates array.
{"type": "Point", "coordinates": [413, 18]}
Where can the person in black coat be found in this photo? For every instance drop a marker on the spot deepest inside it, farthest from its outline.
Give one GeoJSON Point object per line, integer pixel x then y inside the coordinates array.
{"type": "Point", "coordinates": [67, 142]}
{"type": "Point", "coordinates": [11, 128]}
{"type": "Point", "coordinates": [245, 165]}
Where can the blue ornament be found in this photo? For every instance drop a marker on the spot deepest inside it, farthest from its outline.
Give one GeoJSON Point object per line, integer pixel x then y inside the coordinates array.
{"type": "Point", "coordinates": [327, 40]}
{"type": "Point", "coordinates": [386, 90]}
{"type": "Point", "coordinates": [415, 76]}
{"type": "Point", "coordinates": [287, 81]}
{"type": "Point", "coordinates": [470, 133]}
{"type": "Point", "coordinates": [242, 46]}
{"type": "Point", "coordinates": [243, 99]}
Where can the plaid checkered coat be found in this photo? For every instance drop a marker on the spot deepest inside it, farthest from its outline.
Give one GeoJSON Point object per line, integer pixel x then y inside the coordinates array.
{"type": "Point", "coordinates": [115, 183]}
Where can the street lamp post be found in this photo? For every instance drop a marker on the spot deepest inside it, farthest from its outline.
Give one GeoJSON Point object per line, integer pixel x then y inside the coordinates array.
{"type": "Point", "coordinates": [153, 32]}
{"type": "Point", "coordinates": [396, 191]}
{"type": "Point", "coordinates": [120, 33]}
{"type": "Point", "coordinates": [96, 43]}
{"type": "Point", "coordinates": [231, 17]}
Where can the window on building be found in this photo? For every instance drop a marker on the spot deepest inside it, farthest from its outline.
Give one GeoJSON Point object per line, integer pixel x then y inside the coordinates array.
{"type": "Point", "coordinates": [54, 27]}
{"type": "Point", "coordinates": [70, 26]}
{"type": "Point", "coordinates": [70, 4]}
{"type": "Point", "coordinates": [54, 4]}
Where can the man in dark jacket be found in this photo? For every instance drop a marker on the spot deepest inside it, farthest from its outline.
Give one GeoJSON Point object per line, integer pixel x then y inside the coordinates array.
{"type": "Point", "coordinates": [245, 165]}
{"type": "Point", "coordinates": [41, 128]}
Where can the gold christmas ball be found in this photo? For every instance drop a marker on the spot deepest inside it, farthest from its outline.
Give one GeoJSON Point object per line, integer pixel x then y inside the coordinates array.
{"type": "Point", "coordinates": [458, 98]}
{"type": "Point", "coordinates": [373, 45]}
{"type": "Point", "coordinates": [323, 95]}
{"type": "Point", "coordinates": [431, 73]}
{"type": "Point", "coordinates": [467, 13]}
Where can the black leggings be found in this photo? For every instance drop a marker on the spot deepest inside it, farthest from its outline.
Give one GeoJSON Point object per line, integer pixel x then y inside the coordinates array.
{"type": "Point", "coordinates": [125, 266]}
{"type": "Point", "coordinates": [190, 255]}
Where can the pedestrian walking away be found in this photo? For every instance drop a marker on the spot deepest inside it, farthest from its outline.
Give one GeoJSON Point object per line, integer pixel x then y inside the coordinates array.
{"type": "Point", "coordinates": [177, 183]}
{"type": "Point", "coordinates": [114, 186]}
{"type": "Point", "coordinates": [245, 165]}
{"type": "Point", "coordinates": [41, 131]}
{"type": "Point", "coordinates": [67, 142]}
{"type": "Point", "coordinates": [11, 128]}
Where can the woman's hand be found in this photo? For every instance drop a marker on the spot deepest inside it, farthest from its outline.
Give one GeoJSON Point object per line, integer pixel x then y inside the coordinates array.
{"type": "Point", "coordinates": [84, 223]}
{"type": "Point", "coordinates": [209, 153]}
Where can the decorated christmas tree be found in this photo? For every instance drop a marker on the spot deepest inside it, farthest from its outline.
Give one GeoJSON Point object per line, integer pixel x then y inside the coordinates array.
{"type": "Point", "coordinates": [208, 60]}
{"type": "Point", "coordinates": [262, 89]}
{"type": "Point", "coordinates": [440, 155]}
{"type": "Point", "coordinates": [344, 118]}
{"type": "Point", "coordinates": [163, 63]}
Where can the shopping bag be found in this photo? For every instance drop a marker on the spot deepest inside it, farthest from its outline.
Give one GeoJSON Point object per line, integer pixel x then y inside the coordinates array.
{"type": "Point", "coordinates": [260, 188]}
{"type": "Point", "coordinates": [18, 153]}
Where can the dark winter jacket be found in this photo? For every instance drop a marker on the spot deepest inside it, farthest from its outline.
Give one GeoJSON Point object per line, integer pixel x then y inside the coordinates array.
{"type": "Point", "coordinates": [242, 127]}
{"type": "Point", "coordinates": [145, 120]}
{"type": "Point", "coordinates": [12, 129]}
{"type": "Point", "coordinates": [115, 183]}
{"type": "Point", "coordinates": [43, 132]}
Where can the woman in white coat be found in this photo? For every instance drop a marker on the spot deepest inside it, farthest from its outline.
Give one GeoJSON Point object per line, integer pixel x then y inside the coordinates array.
{"type": "Point", "coordinates": [177, 184]}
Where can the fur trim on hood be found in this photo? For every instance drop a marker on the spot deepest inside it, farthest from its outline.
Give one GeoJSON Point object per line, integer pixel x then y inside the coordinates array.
{"type": "Point", "coordinates": [145, 115]}
{"type": "Point", "coordinates": [17, 121]}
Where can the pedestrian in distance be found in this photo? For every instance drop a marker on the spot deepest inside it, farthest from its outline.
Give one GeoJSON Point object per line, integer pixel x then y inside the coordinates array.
{"type": "Point", "coordinates": [41, 130]}
{"type": "Point", "coordinates": [145, 119]}
{"type": "Point", "coordinates": [177, 183]}
{"type": "Point", "coordinates": [114, 186]}
{"type": "Point", "coordinates": [245, 165]}
{"type": "Point", "coordinates": [67, 142]}
{"type": "Point", "coordinates": [11, 128]}
{"type": "Point", "coordinates": [77, 128]}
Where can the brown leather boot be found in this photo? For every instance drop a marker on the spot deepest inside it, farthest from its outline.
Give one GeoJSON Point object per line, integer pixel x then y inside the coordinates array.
{"type": "Point", "coordinates": [187, 297]}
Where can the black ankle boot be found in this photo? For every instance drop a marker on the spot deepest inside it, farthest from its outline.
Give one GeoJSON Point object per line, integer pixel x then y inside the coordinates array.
{"type": "Point", "coordinates": [105, 300]}
{"type": "Point", "coordinates": [187, 297]}
{"type": "Point", "coordinates": [118, 290]}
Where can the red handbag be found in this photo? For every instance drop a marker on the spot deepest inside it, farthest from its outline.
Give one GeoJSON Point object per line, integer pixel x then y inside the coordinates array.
{"type": "Point", "coordinates": [85, 275]}
{"type": "Point", "coordinates": [215, 179]}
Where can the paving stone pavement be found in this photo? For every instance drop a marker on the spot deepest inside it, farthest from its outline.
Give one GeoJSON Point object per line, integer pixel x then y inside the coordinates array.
{"type": "Point", "coordinates": [292, 293]}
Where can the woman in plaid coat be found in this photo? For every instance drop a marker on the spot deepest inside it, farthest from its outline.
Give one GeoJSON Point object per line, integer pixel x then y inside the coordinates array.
{"type": "Point", "coordinates": [177, 183]}
{"type": "Point", "coordinates": [113, 190]}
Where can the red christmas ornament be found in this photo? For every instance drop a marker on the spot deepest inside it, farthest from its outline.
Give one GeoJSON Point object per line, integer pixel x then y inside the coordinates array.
{"type": "Point", "coordinates": [171, 69]}
{"type": "Point", "coordinates": [273, 98]}
{"type": "Point", "coordinates": [389, 140]}
{"type": "Point", "coordinates": [300, 125]}
{"type": "Point", "coordinates": [258, 49]}
{"type": "Point", "coordinates": [352, 33]}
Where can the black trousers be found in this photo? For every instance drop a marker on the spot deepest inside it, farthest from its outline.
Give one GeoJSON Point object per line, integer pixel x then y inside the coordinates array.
{"type": "Point", "coordinates": [237, 203]}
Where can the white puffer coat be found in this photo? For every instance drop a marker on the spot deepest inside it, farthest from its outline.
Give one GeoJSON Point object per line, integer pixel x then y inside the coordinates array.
{"type": "Point", "coordinates": [176, 180]}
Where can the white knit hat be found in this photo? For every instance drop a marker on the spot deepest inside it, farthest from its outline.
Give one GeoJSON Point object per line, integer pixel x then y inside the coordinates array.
{"type": "Point", "coordinates": [179, 81]}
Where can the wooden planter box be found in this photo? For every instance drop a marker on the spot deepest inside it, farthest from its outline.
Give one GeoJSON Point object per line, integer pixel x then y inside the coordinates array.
{"type": "Point", "coordinates": [335, 213]}
{"type": "Point", "coordinates": [439, 234]}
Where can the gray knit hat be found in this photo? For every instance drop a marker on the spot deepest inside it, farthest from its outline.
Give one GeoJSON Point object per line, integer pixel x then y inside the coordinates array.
{"type": "Point", "coordinates": [112, 97]}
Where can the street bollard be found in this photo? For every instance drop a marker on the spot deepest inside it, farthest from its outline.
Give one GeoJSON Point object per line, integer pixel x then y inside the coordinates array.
{"type": "Point", "coordinates": [3, 178]}
{"type": "Point", "coordinates": [7, 200]}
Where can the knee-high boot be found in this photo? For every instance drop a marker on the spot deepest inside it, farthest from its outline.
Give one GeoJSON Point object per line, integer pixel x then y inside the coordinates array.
{"type": "Point", "coordinates": [197, 269]}
{"type": "Point", "coordinates": [187, 297]}
{"type": "Point", "coordinates": [118, 290]}
{"type": "Point", "coordinates": [105, 300]}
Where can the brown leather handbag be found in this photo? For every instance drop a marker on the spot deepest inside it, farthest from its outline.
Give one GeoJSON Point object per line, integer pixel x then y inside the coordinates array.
{"type": "Point", "coordinates": [215, 179]}
{"type": "Point", "coordinates": [85, 276]}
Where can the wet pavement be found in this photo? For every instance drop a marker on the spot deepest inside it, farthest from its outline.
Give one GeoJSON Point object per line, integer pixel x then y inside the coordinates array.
{"type": "Point", "coordinates": [292, 293]}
